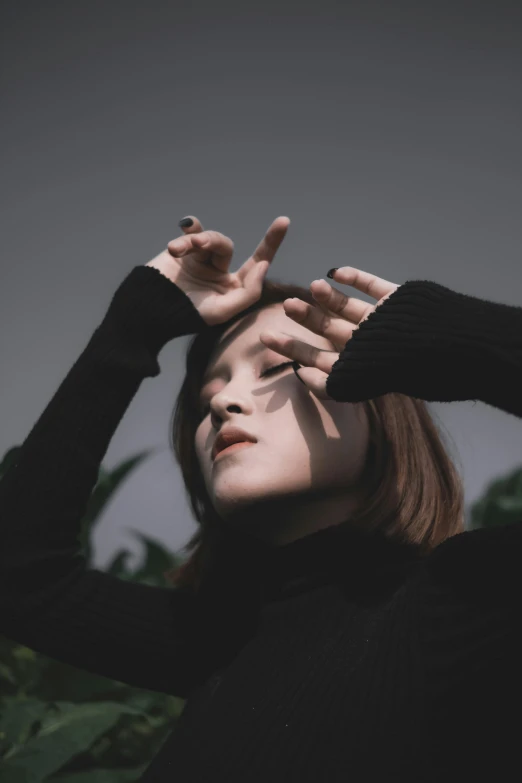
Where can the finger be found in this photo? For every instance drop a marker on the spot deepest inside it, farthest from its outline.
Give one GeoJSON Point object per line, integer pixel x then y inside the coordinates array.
{"type": "Point", "coordinates": [177, 246]}
{"type": "Point", "coordinates": [213, 246]}
{"type": "Point", "coordinates": [315, 380]}
{"type": "Point", "coordinates": [195, 228]}
{"type": "Point", "coordinates": [347, 307]}
{"type": "Point", "coordinates": [269, 245]}
{"type": "Point", "coordinates": [267, 248]}
{"type": "Point", "coordinates": [299, 351]}
{"type": "Point", "coordinates": [337, 330]}
{"type": "Point", "coordinates": [372, 285]}
{"type": "Point", "coordinates": [220, 246]}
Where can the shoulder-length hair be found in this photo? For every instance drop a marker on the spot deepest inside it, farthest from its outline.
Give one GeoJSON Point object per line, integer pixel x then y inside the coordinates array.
{"type": "Point", "coordinates": [413, 492]}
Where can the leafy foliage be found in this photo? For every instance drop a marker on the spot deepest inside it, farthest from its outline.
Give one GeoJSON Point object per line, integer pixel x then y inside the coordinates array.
{"type": "Point", "coordinates": [61, 723]}
{"type": "Point", "coordinates": [501, 503]}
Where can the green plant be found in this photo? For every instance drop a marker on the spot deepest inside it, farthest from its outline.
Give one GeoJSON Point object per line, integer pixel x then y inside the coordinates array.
{"type": "Point", "coordinates": [60, 723]}
{"type": "Point", "coordinates": [500, 504]}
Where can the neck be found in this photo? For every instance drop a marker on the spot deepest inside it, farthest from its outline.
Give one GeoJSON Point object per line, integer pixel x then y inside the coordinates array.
{"type": "Point", "coordinates": [281, 520]}
{"type": "Point", "coordinates": [363, 559]}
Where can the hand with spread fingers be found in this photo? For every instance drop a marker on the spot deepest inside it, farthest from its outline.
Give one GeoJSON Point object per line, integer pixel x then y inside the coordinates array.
{"type": "Point", "coordinates": [335, 317]}
{"type": "Point", "coordinates": [198, 263]}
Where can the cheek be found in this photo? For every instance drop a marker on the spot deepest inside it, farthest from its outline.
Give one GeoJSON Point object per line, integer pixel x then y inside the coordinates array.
{"type": "Point", "coordinates": [202, 442]}
{"type": "Point", "coordinates": [346, 422]}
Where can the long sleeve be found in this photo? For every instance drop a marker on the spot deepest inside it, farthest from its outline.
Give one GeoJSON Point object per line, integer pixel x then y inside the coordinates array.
{"type": "Point", "coordinates": [432, 343]}
{"type": "Point", "coordinates": [49, 600]}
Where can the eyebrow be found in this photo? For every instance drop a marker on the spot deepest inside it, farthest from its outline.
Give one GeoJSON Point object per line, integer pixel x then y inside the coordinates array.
{"type": "Point", "coordinates": [252, 351]}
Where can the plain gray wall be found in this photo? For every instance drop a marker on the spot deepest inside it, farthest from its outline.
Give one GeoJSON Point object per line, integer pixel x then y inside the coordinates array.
{"type": "Point", "coordinates": [387, 131]}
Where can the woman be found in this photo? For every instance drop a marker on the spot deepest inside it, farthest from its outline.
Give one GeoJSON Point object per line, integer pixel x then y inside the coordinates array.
{"type": "Point", "coordinates": [334, 622]}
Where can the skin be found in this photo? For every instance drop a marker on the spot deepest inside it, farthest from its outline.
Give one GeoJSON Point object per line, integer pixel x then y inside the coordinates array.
{"type": "Point", "coordinates": [302, 474]}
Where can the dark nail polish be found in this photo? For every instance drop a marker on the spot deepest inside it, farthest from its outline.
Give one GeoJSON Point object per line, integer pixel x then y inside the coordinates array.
{"type": "Point", "coordinates": [295, 367]}
{"type": "Point", "coordinates": [331, 271]}
{"type": "Point", "coordinates": [185, 223]}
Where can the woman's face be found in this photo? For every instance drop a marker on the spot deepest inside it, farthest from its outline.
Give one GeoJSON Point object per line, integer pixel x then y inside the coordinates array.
{"type": "Point", "coordinates": [309, 452]}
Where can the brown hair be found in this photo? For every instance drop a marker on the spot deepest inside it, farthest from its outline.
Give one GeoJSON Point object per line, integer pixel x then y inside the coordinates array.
{"type": "Point", "coordinates": [414, 492]}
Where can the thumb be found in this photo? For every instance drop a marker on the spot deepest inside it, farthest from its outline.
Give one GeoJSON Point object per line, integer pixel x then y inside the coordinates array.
{"type": "Point", "coordinates": [248, 294]}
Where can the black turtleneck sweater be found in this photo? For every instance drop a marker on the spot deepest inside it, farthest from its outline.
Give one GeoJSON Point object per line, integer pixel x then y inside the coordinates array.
{"type": "Point", "coordinates": [337, 657]}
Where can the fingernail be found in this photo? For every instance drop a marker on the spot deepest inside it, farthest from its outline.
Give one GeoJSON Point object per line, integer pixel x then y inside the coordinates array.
{"type": "Point", "coordinates": [185, 223]}
{"type": "Point", "coordinates": [295, 367]}
{"type": "Point", "coordinates": [331, 271]}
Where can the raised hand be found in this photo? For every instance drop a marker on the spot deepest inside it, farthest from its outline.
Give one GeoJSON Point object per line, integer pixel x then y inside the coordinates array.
{"type": "Point", "coordinates": [335, 317]}
{"type": "Point", "coordinates": [199, 262]}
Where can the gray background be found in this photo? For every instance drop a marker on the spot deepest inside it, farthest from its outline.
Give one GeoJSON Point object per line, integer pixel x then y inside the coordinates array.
{"type": "Point", "coordinates": [387, 131]}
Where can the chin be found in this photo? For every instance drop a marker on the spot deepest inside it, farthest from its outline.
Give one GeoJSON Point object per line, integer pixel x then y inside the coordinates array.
{"type": "Point", "coordinates": [234, 497]}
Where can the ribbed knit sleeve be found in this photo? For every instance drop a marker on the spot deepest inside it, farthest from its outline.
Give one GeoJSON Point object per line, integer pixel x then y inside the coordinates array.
{"type": "Point", "coordinates": [49, 600]}
{"type": "Point", "coordinates": [429, 342]}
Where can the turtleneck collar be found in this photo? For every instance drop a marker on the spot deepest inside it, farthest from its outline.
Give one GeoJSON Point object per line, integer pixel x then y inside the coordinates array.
{"type": "Point", "coordinates": [249, 574]}
{"type": "Point", "coordinates": [363, 561]}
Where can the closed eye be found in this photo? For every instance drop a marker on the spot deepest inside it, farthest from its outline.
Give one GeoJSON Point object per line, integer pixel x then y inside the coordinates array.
{"type": "Point", "coordinates": [270, 371]}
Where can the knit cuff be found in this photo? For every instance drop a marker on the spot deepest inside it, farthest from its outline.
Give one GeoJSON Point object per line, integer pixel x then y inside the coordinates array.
{"type": "Point", "coordinates": [430, 342]}
{"type": "Point", "coordinates": [149, 308]}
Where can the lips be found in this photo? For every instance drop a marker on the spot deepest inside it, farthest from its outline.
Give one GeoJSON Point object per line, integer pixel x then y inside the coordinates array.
{"type": "Point", "coordinates": [231, 435]}
{"type": "Point", "coordinates": [232, 449]}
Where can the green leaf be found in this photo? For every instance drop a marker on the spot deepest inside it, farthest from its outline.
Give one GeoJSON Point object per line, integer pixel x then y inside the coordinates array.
{"type": "Point", "coordinates": [18, 717]}
{"type": "Point", "coordinates": [501, 504]}
{"type": "Point", "coordinates": [7, 674]}
{"type": "Point", "coordinates": [118, 565]}
{"type": "Point", "coordinates": [157, 560]}
{"type": "Point", "coordinates": [103, 776]}
{"type": "Point", "coordinates": [65, 731]}
{"type": "Point", "coordinates": [25, 665]}
{"type": "Point", "coordinates": [107, 484]}
{"type": "Point", "coordinates": [510, 504]}
{"type": "Point", "coordinates": [61, 681]}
